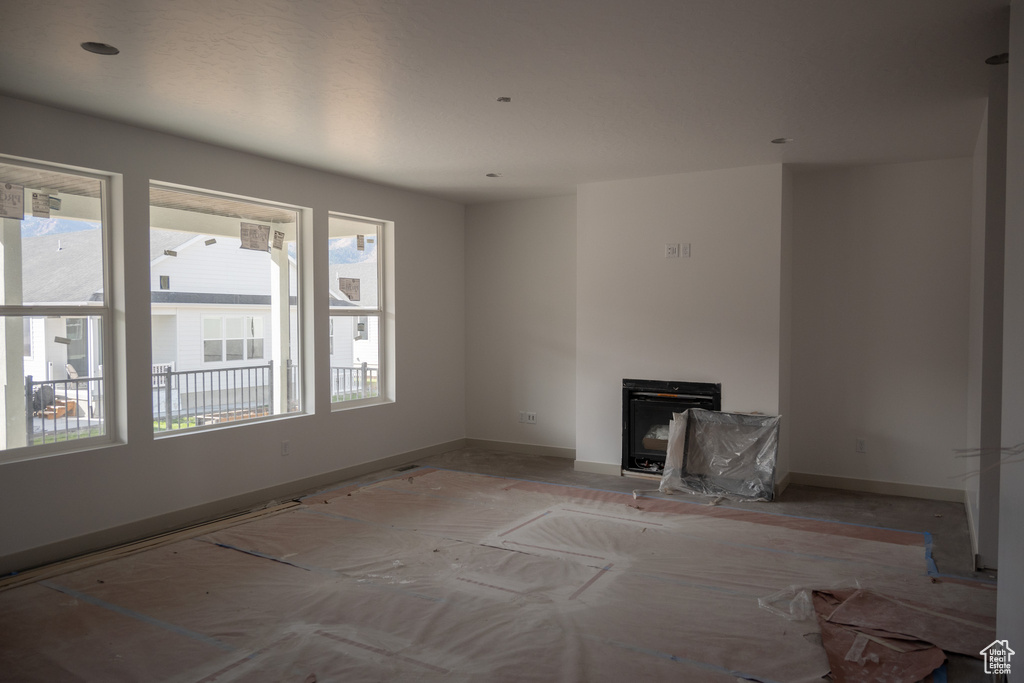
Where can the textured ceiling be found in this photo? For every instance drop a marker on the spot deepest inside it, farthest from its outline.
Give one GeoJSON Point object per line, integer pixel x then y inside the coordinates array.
{"type": "Point", "coordinates": [405, 92]}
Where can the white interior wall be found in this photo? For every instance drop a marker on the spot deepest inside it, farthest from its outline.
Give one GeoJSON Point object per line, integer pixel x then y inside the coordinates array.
{"type": "Point", "coordinates": [1010, 617]}
{"type": "Point", "coordinates": [713, 317]}
{"type": "Point", "coordinates": [880, 321]}
{"type": "Point", "coordinates": [48, 500]}
{"type": "Point", "coordinates": [521, 321]}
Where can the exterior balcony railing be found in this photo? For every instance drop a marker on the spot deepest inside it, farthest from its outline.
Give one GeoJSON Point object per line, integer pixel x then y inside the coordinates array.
{"type": "Point", "coordinates": [68, 409]}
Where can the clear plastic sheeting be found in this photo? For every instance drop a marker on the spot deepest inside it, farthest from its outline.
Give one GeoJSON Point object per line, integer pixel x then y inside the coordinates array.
{"type": "Point", "coordinates": [722, 454]}
{"type": "Point", "coordinates": [438, 575]}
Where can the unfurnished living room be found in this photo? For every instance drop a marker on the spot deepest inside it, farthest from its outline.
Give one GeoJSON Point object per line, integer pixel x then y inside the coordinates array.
{"type": "Point", "coordinates": [465, 340]}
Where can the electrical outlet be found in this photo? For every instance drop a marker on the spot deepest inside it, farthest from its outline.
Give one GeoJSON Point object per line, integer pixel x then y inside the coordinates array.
{"type": "Point", "coordinates": [285, 448]}
{"type": "Point", "coordinates": [671, 251]}
{"type": "Point", "coordinates": [531, 418]}
{"type": "Point", "coordinates": [861, 446]}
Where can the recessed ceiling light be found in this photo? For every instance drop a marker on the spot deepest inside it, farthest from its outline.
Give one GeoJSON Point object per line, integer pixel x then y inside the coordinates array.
{"type": "Point", "coordinates": [100, 48]}
{"type": "Point", "coordinates": [782, 141]}
{"type": "Point", "coordinates": [493, 175]}
{"type": "Point", "coordinates": [504, 99]}
{"type": "Point", "coordinates": [1003, 58]}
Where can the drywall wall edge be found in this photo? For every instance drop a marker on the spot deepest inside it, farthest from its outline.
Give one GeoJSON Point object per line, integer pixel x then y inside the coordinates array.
{"type": "Point", "coordinates": [525, 448]}
{"type": "Point", "coordinates": [598, 467]}
{"type": "Point", "coordinates": [134, 531]}
{"type": "Point", "coordinates": [883, 487]}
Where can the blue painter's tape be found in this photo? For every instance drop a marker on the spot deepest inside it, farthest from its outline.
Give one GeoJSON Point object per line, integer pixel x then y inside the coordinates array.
{"type": "Point", "coordinates": [124, 611]}
{"type": "Point", "coordinates": [932, 569]}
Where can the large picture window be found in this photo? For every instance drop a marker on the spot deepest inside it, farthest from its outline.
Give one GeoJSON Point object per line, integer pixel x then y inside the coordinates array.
{"type": "Point", "coordinates": [224, 304]}
{"type": "Point", "coordinates": [356, 368]}
{"type": "Point", "coordinates": [54, 309]}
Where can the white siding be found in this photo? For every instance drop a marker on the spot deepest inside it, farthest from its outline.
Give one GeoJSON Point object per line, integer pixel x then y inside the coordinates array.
{"type": "Point", "coordinates": [221, 268]}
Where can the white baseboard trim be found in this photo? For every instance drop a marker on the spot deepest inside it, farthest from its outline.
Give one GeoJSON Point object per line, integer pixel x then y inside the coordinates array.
{"type": "Point", "coordinates": [598, 467]}
{"type": "Point", "coordinates": [781, 484]}
{"type": "Point", "coordinates": [161, 524]}
{"type": "Point", "coordinates": [883, 487]}
{"type": "Point", "coordinates": [524, 448]}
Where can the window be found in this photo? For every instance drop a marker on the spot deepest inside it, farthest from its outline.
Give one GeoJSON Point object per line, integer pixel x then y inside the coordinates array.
{"type": "Point", "coordinates": [356, 368]}
{"type": "Point", "coordinates": [56, 292]}
{"type": "Point", "coordinates": [230, 327]}
{"type": "Point", "coordinates": [232, 338]}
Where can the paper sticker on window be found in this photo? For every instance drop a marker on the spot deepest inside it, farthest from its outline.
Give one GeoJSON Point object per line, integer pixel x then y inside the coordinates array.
{"type": "Point", "coordinates": [360, 243]}
{"type": "Point", "coordinates": [349, 286]}
{"type": "Point", "coordinates": [255, 237]}
{"type": "Point", "coordinates": [40, 205]}
{"type": "Point", "coordinates": [278, 239]}
{"type": "Point", "coordinates": [12, 201]}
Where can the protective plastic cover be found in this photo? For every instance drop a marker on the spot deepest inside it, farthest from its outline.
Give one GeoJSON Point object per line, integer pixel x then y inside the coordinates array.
{"type": "Point", "coordinates": [722, 454]}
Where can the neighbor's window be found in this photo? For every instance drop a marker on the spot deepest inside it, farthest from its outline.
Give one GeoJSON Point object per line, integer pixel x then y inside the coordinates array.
{"type": "Point", "coordinates": [232, 338]}
{"type": "Point", "coordinates": [354, 249]}
{"type": "Point", "coordinates": [226, 339]}
{"type": "Point", "coordinates": [56, 293]}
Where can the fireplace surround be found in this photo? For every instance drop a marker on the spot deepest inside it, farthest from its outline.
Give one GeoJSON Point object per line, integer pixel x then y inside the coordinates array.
{"type": "Point", "coordinates": [647, 407]}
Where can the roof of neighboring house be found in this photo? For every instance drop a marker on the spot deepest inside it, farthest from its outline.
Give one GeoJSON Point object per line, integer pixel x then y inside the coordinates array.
{"type": "Point", "coordinates": [62, 268]}
{"type": "Point", "coordinates": [160, 240]}
{"type": "Point", "coordinates": [66, 267]}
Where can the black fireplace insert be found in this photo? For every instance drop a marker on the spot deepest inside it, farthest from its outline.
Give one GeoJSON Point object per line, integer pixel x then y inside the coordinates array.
{"type": "Point", "coordinates": [647, 407]}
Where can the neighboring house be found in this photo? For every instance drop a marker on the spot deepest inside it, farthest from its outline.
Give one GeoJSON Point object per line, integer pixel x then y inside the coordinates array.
{"type": "Point", "coordinates": [348, 347]}
{"type": "Point", "coordinates": [210, 305]}
{"type": "Point", "coordinates": [62, 268]}
{"type": "Point", "coordinates": [210, 302]}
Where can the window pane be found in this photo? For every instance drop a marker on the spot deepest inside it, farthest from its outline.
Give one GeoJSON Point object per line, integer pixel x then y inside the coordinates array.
{"type": "Point", "coordinates": [53, 257]}
{"type": "Point", "coordinates": [212, 328]}
{"type": "Point", "coordinates": [353, 249]}
{"type": "Point", "coordinates": [233, 328]}
{"type": "Point", "coordinates": [57, 400]}
{"type": "Point", "coordinates": [233, 349]}
{"type": "Point", "coordinates": [355, 370]}
{"type": "Point", "coordinates": [229, 274]}
{"type": "Point", "coordinates": [61, 236]}
{"type": "Point", "coordinates": [213, 351]}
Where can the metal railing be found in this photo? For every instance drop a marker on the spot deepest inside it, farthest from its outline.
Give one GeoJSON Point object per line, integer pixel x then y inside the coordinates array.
{"type": "Point", "coordinates": [66, 409]}
{"type": "Point", "coordinates": [194, 398]}
{"type": "Point", "coordinates": [348, 384]}
{"type": "Point", "coordinates": [63, 409]}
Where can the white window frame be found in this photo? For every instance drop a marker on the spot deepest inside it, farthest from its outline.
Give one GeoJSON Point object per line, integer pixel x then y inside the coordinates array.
{"type": "Point", "coordinates": [102, 310]}
{"type": "Point", "coordinates": [378, 229]}
{"type": "Point", "coordinates": [248, 335]}
{"type": "Point", "coordinates": [303, 220]}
